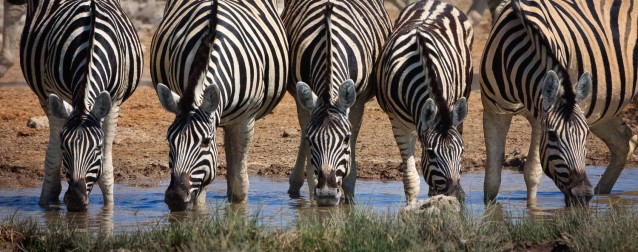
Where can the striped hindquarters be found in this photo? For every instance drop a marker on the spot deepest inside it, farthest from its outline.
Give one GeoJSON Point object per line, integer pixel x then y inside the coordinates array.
{"type": "Point", "coordinates": [580, 35]}
{"type": "Point", "coordinates": [403, 86]}
{"type": "Point", "coordinates": [358, 32]}
{"type": "Point", "coordinates": [248, 56]}
{"type": "Point", "coordinates": [77, 49]}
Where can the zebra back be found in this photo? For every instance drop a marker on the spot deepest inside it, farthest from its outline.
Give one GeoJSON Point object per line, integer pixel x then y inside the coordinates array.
{"type": "Point", "coordinates": [77, 49]}
{"type": "Point", "coordinates": [571, 37]}
{"type": "Point", "coordinates": [355, 36]}
{"type": "Point", "coordinates": [247, 54]}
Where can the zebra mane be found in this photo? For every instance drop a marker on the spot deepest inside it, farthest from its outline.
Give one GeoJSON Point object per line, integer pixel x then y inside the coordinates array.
{"type": "Point", "coordinates": [534, 31]}
{"type": "Point", "coordinates": [199, 67]}
{"type": "Point", "coordinates": [326, 94]}
{"type": "Point", "coordinates": [443, 111]}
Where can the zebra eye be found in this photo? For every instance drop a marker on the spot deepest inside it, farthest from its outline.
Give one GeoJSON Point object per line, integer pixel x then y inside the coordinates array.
{"type": "Point", "coordinates": [206, 142]}
{"type": "Point", "coordinates": [431, 153]}
{"type": "Point", "coordinates": [551, 134]}
{"type": "Point", "coordinates": [346, 139]}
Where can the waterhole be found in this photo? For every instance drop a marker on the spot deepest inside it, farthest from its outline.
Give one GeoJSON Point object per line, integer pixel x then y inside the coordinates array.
{"type": "Point", "coordinates": [142, 208]}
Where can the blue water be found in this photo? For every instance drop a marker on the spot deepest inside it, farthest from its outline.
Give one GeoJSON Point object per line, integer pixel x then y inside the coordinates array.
{"type": "Point", "coordinates": [142, 208]}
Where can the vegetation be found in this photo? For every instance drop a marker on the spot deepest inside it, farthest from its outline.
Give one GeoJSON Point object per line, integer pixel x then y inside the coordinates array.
{"type": "Point", "coordinates": [355, 230]}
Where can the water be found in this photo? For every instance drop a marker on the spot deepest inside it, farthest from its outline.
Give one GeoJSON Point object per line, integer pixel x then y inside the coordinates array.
{"type": "Point", "coordinates": [143, 208]}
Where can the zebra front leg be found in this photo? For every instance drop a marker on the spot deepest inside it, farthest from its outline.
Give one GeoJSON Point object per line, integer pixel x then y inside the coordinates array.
{"type": "Point", "coordinates": [51, 186]}
{"type": "Point", "coordinates": [533, 171]}
{"type": "Point", "coordinates": [406, 140]}
{"type": "Point", "coordinates": [356, 118]}
{"type": "Point", "coordinates": [618, 138]}
{"type": "Point", "coordinates": [297, 175]}
{"type": "Point", "coordinates": [200, 201]}
{"type": "Point", "coordinates": [237, 139]}
{"type": "Point", "coordinates": [109, 127]}
{"type": "Point", "coordinates": [495, 128]}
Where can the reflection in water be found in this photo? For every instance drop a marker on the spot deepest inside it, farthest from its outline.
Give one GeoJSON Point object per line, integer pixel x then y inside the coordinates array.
{"type": "Point", "coordinates": [143, 208]}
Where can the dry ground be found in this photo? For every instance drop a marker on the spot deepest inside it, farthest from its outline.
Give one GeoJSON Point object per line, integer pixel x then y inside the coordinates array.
{"type": "Point", "coordinates": [140, 149]}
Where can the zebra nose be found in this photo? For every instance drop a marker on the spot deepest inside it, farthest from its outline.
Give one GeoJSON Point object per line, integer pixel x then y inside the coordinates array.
{"type": "Point", "coordinates": [177, 194]}
{"type": "Point", "coordinates": [76, 198]}
{"type": "Point", "coordinates": [328, 196]}
{"type": "Point", "coordinates": [455, 189]}
{"type": "Point", "coordinates": [581, 194]}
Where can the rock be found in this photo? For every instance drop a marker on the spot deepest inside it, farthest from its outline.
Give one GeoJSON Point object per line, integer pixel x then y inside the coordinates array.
{"type": "Point", "coordinates": [434, 205]}
{"type": "Point", "coordinates": [289, 133]}
{"type": "Point", "coordinates": [38, 122]}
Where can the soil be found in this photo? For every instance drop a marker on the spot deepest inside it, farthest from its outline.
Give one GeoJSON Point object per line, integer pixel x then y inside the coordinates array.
{"type": "Point", "coordinates": [140, 152]}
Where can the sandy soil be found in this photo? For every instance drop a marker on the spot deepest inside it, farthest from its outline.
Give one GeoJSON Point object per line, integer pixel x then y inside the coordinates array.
{"type": "Point", "coordinates": [141, 151]}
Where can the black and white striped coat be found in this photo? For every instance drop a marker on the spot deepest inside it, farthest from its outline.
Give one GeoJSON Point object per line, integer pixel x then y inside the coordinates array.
{"type": "Point", "coordinates": [82, 59]}
{"type": "Point", "coordinates": [534, 56]}
{"type": "Point", "coordinates": [216, 63]}
{"type": "Point", "coordinates": [333, 48]}
{"type": "Point", "coordinates": [424, 77]}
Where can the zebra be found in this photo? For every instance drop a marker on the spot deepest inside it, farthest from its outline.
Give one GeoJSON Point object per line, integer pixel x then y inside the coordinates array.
{"type": "Point", "coordinates": [333, 48]}
{"type": "Point", "coordinates": [475, 13]}
{"type": "Point", "coordinates": [13, 12]}
{"type": "Point", "coordinates": [534, 52]}
{"type": "Point", "coordinates": [82, 59]}
{"type": "Point", "coordinates": [216, 64]}
{"type": "Point", "coordinates": [424, 77]}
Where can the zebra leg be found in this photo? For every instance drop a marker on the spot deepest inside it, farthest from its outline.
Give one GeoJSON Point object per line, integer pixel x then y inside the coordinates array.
{"type": "Point", "coordinates": [11, 35]}
{"type": "Point", "coordinates": [495, 128]}
{"type": "Point", "coordinates": [200, 201]}
{"type": "Point", "coordinates": [237, 138]}
{"type": "Point", "coordinates": [109, 127]}
{"type": "Point", "coordinates": [618, 138]}
{"type": "Point", "coordinates": [406, 140]}
{"type": "Point", "coordinates": [475, 13]}
{"type": "Point", "coordinates": [533, 171]}
{"type": "Point", "coordinates": [297, 175]}
{"type": "Point", "coordinates": [356, 118]}
{"type": "Point", "coordinates": [51, 186]}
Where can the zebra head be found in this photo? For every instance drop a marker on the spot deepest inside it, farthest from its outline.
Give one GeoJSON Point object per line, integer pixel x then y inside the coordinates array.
{"type": "Point", "coordinates": [192, 149]}
{"type": "Point", "coordinates": [563, 141]}
{"type": "Point", "coordinates": [81, 144]}
{"type": "Point", "coordinates": [328, 133]}
{"type": "Point", "coordinates": [442, 147]}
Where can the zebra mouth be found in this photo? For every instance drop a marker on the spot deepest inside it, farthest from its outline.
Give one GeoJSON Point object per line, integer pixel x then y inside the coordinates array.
{"type": "Point", "coordinates": [328, 196]}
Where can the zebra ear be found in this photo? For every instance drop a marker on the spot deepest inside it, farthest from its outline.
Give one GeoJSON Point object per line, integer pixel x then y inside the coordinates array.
{"type": "Point", "coordinates": [347, 94]}
{"type": "Point", "coordinates": [102, 105]}
{"type": "Point", "coordinates": [428, 113]}
{"type": "Point", "coordinates": [551, 86]}
{"type": "Point", "coordinates": [306, 97]}
{"type": "Point", "coordinates": [211, 99]}
{"type": "Point", "coordinates": [167, 98]}
{"type": "Point", "coordinates": [58, 107]}
{"type": "Point", "coordinates": [459, 112]}
{"type": "Point", "coordinates": [583, 88]}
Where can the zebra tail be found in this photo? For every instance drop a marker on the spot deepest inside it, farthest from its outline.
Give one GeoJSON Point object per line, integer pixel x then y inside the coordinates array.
{"type": "Point", "coordinates": [201, 60]}
{"type": "Point", "coordinates": [327, 94]}
{"type": "Point", "coordinates": [445, 116]}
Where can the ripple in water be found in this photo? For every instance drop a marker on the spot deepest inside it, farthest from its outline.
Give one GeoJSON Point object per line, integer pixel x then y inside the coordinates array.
{"type": "Point", "coordinates": [139, 208]}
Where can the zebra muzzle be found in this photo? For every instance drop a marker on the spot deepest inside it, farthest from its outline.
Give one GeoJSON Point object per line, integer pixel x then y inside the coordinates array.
{"type": "Point", "coordinates": [76, 197]}
{"type": "Point", "coordinates": [178, 193]}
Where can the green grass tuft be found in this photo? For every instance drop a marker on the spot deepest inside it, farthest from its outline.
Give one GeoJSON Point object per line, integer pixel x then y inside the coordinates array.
{"type": "Point", "coordinates": [354, 229]}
